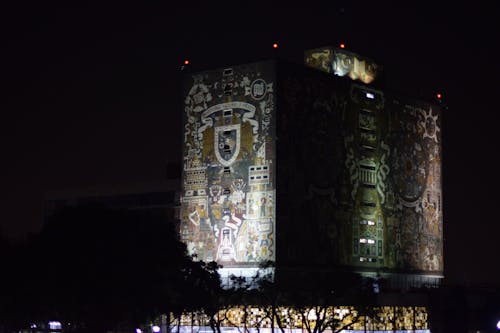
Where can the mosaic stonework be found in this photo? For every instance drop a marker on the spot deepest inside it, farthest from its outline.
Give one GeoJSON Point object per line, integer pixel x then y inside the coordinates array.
{"type": "Point", "coordinates": [349, 175]}
{"type": "Point", "coordinates": [366, 172]}
{"type": "Point", "coordinates": [342, 63]}
{"type": "Point", "coordinates": [228, 201]}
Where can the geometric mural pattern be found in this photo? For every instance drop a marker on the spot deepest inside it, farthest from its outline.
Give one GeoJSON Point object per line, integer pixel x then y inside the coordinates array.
{"type": "Point", "coordinates": [367, 177]}
{"type": "Point", "coordinates": [228, 200]}
{"type": "Point", "coordinates": [355, 178]}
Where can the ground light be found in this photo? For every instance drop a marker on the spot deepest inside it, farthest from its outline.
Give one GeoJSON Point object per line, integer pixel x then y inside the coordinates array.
{"type": "Point", "coordinates": [55, 325]}
{"type": "Point", "coordinates": [498, 325]}
{"type": "Point", "coordinates": [155, 329]}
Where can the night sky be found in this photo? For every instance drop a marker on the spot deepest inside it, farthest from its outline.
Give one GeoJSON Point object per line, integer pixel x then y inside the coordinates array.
{"type": "Point", "coordinates": [90, 95]}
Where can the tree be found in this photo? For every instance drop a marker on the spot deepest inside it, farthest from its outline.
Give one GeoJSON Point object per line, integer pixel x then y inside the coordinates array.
{"type": "Point", "coordinates": [99, 269]}
{"type": "Point", "coordinates": [314, 295]}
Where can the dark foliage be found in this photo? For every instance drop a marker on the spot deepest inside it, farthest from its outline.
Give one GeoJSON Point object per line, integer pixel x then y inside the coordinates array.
{"type": "Point", "coordinates": [101, 269]}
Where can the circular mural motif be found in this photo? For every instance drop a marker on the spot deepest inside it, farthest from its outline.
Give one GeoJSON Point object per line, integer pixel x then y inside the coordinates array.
{"type": "Point", "coordinates": [410, 167]}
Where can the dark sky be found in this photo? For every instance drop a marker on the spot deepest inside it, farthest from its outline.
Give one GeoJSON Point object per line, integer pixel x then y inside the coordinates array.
{"type": "Point", "coordinates": [90, 94]}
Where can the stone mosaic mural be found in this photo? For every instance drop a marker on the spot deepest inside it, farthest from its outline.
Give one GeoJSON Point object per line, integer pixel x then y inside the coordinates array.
{"type": "Point", "coordinates": [228, 200]}
{"type": "Point", "coordinates": [366, 170]}
{"type": "Point", "coordinates": [354, 179]}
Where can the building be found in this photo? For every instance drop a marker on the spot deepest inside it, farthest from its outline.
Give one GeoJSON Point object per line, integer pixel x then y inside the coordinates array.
{"type": "Point", "coordinates": [310, 169]}
{"type": "Point", "coordinates": [159, 198]}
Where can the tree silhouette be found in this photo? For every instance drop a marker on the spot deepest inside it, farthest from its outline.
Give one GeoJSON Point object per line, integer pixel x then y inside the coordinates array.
{"type": "Point", "coordinates": [97, 269]}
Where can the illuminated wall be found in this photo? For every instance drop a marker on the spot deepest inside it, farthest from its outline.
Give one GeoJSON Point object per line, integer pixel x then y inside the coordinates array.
{"type": "Point", "coordinates": [346, 319]}
{"type": "Point", "coordinates": [393, 158]}
{"type": "Point", "coordinates": [361, 175]}
{"type": "Point", "coordinates": [228, 201]}
{"type": "Point", "coordinates": [287, 163]}
{"type": "Point", "coordinates": [342, 63]}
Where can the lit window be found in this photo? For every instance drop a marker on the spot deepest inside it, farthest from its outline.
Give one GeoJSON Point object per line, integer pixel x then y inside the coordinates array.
{"type": "Point", "coordinates": [370, 95]}
{"type": "Point", "coordinates": [362, 240]}
{"type": "Point", "coordinates": [55, 325]}
{"type": "Point", "coordinates": [371, 241]}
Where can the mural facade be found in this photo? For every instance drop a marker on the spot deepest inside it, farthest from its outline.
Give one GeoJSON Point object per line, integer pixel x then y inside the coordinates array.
{"type": "Point", "coordinates": [228, 200]}
{"type": "Point", "coordinates": [364, 168]}
{"type": "Point", "coordinates": [294, 165]}
{"type": "Point", "coordinates": [342, 63]}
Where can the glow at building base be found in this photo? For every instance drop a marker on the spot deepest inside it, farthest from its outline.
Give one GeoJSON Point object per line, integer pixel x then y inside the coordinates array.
{"type": "Point", "coordinates": [257, 319]}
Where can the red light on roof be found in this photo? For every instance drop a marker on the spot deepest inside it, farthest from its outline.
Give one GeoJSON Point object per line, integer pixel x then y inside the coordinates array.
{"type": "Point", "coordinates": [275, 45]}
{"type": "Point", "coordinates": [438, 95]}
{"type": "Point", "coordinates": [186, 62]}
{"type": "Point", "coordinates": [342, 45]}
